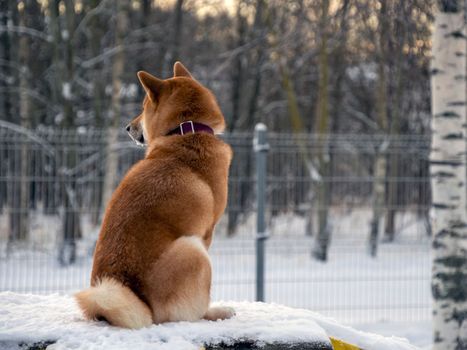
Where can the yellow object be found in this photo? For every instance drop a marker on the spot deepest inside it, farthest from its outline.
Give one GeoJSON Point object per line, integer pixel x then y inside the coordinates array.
{"type": "Point", "coordinates": [338, 344]}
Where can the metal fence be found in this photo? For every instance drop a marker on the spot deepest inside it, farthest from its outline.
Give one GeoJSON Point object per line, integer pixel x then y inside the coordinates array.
{"type": "Point", "coordinates": [51, 184]}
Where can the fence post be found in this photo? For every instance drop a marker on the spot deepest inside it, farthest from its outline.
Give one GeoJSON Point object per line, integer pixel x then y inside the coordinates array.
{"type": "Point", "coordinates": [261, 148]}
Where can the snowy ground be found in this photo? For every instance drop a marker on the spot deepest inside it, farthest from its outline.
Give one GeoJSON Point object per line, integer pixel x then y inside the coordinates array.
{"type": "Point", "coordinates": [33, 318]}
{"type": "Point", "coordinates": [418, 333]}
{"type": "Point", "coordinates": [388, 295]}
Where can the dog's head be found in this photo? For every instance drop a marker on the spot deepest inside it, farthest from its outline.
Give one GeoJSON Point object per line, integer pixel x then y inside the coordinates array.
{"type": "Point", "coordinates": [173, 101]}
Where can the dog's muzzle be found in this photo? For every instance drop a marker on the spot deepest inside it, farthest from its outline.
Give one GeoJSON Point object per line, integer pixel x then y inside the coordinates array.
{"type": "Point", "coordinates": [136, 133]}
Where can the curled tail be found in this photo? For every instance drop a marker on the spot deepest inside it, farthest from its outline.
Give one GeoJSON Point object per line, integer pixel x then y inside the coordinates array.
{"type": "Point", "coordinates": [116, 303]}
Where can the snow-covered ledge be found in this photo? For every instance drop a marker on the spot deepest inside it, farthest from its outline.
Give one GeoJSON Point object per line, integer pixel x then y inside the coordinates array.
{"type": "Point", "coordinates": [36, 319]}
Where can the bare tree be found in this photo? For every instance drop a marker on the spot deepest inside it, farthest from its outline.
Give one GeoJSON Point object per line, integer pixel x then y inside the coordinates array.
{"type": "Point", "coordinates": [380, 164]}
{"type": "Point", "coordinates": [397, 55]}
{"type": "Point", "coordinates": [270, 67]}
{"type": "Point", "coordinates": [246, 91]}
{"type": "Point", "coordinates": [320, 250]}
{"type": "Point", "coordinates": [5, 81]}
{"type": "Point", "coordinates": [118, 66]}
{"type": "Point", "coordinates": [95, 35]}
{"type": "Point", "coordinates": [176, 39]}
{"type": "Point", "coordinates": [19, 191]}
{"type": "Point", "coordinates": [71, 225]}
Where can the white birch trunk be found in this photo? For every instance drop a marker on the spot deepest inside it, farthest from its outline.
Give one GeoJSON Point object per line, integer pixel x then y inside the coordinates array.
{"type": "Point", "coordinates": [448, 171]}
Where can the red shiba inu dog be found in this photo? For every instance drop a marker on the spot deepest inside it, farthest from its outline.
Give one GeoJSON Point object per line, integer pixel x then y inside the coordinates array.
{"type": "Point", "coordinates": [151, 263]}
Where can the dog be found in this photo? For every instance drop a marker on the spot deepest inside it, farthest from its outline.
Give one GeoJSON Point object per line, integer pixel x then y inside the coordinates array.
{"type": "Point", "coordinates": [151, 263]}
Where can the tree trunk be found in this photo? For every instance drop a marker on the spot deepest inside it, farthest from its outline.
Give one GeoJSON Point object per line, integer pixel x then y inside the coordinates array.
{"type": "Point", "coordinates": [448, 171]}
{"type": "Point", "coordinates": [379, 173]}
{"type": "Point", "coordinates": [54, 27]}
{"type": "Point", "coordinates": [339, 64]}
{"type": "Point", "coordinates": [296, 121]}
{"type": "Point", "coordinates": [95, 29]}
{"type": "Point", "coordinates": [52, 189]}
{"type": "Point", "coordinates": [234, 199]}
{"type": "Point", "coordinates": [5, 106]}
{"type": "Point", "coordinates": [25, 115]}
{"type": "Point", "coordinates": [71, 229]}
{"type": "Point", "coordinates": [238, 70]}
{"type": "Point", "coordinates": [379, 170]}
{"type": "Point", "coordinates": [394, 130]}
{"type": "Point", "coordinates": [259, 28]}
{"type": "Point", "coordinates": [320, 249]}
{"type": "Point", "coordinates": [118, 65]}
{"type": "Point", "coordinates": [5, 16]}
{"type": "Point", "coordinates": [173, 53]}
{"type": "Point", "coordinates": [250, 115]}
{"type": "Point", "coordinates": [19, 216]}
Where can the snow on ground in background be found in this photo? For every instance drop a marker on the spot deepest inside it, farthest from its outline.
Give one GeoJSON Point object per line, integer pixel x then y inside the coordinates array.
{"type": "Point", "coordinates": [44, 233]}
{"type": "Point", "coordinates": [33, 318]}
{"type": "Point", "coordinates": [346, 221]}
{"type": "Point", "coordinates": [351, 286]}
{"type": "Point", "coordinates": [418, 333]}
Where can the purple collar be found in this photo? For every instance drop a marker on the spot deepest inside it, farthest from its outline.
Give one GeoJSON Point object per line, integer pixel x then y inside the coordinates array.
{"type": "Point", "coordinates": [190, 127]}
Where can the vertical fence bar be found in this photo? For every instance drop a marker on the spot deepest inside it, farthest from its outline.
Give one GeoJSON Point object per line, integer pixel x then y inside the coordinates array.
{"type": "Point", "coordinates": [261, 148]}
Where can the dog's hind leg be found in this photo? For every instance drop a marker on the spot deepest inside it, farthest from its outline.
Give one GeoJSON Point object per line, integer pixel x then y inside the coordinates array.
{"type": "Point", "coordinates": [178, 283]}
{"type": "Point", "coordinates": [116, 303]}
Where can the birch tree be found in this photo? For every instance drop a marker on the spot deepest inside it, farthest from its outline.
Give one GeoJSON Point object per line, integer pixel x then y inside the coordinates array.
{"type": "Point", "coordinates": [448, 171]}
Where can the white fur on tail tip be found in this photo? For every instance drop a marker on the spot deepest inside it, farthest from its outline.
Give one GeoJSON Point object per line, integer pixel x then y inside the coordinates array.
{"type": "Point", "coordinates": [116, 303]}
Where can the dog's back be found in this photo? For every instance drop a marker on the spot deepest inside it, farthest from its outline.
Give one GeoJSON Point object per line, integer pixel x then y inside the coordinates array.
{"type": "Point", "coordinates": [151, 256]}
{"type": "Point", "coordinates": [169, 194]}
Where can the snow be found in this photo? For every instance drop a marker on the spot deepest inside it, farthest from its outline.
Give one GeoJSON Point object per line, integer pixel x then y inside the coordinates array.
{"type": "Point", "coordinates": [33, 318]}
{"type": "Point", "coordinates": [351, 287]}
{"type": "Point", "coordinates": [388, 295]}
{"type": "Point", "coordinates": [260, 127]}
{"type": "Point", "coordinates": [418, 333]}
{"type": "Point", "coordinates": [66, 90]}
{"type": "Point", "coordinates": [65, 34]}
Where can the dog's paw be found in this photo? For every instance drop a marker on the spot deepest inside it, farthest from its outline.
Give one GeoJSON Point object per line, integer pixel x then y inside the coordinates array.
{"type": "Point", "coordinates": [219, 313]}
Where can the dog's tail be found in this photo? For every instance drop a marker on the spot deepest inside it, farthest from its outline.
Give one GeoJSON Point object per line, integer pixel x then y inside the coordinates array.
{"type": "Point", "coordinates": [116, 303]}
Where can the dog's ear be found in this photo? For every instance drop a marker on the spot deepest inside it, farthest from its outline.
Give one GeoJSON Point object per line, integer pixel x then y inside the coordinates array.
{"type": "Point", "coordinates": [181, 71]}
{"type": "Point", "coordinates": [151, 85]}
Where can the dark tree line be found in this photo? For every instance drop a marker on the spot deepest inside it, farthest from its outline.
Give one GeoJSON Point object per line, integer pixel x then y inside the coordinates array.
{"type": "Point", "coordinates": [300, 66]}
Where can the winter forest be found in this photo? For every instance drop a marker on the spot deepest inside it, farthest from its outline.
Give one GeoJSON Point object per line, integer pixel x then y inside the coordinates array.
{"type": "Point", "coordinates": [356, 66]}
{"type": "Point", "coordinates": [324, 67]}
{"type": "Point", "coordinates": [344, 88]}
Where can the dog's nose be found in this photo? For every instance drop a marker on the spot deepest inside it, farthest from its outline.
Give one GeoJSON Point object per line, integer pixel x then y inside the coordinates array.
{"type": "Point", "coordinates": [128, 127]}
